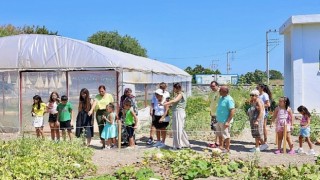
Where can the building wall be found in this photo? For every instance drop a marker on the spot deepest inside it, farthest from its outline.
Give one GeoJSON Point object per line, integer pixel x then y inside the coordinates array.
{"type": "Point", "coordinates": [302, 84]}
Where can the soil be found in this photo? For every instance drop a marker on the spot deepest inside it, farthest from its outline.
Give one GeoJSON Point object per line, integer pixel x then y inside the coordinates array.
{"type": "Point", "coordinates": [109, 160]}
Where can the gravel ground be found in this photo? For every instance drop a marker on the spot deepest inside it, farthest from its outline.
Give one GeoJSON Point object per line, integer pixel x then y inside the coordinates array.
{"type": "Point", "coordinates": [108, 160]}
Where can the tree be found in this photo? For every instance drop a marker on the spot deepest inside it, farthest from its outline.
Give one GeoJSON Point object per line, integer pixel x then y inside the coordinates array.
{"type": "Point", "coordinates": [115, 41]}
{"type": "Point", "coordinates": [8, 30]}
{"type": "Point", "coordinates": [255, 77]}
{"type": "Point", "coordinates": [274, 74]}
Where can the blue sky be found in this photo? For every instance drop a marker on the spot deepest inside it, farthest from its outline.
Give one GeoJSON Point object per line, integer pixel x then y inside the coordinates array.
{"type": "Point", "coordinates": [182, 33]}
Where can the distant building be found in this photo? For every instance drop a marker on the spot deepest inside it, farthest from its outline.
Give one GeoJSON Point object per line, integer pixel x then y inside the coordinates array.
{"type": "Point", "coordinates": [220, 78]}
{"type": "Point", "coordinates": [302, 61]}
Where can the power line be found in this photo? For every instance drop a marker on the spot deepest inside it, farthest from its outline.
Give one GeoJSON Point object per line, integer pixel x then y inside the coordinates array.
{"type": "Point", "coordinates": [228, 61]}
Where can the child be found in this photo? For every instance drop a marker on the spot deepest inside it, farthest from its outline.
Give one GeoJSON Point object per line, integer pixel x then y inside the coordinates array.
{"type": "Point", "coordinates": [109, 131]}
{"type": "Point", "coordinates": [131, 122]}
{"type": "Point", "coordinates": [37, 112]}
{"type": "Point", "coordinates": [305, 130]}
{"type": "Point", "coordinates": [283, 113]}
{"type": "Point", "coordinates": [52, 110]}
{"type": "Point", "coordinates": [65, 116]}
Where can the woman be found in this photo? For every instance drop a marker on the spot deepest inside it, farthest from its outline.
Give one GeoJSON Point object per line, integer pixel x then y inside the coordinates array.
{"type": "Point", "coordinates": [256, 117]}
{"type": "Point", "coordinates": [127, 95]}
{"type": "Point", "coordinates": [266, 96]}
{"type": "Point", "coordinates": [84, 120]}
{"type": "Point", "coordinates": [52, 110]}
{"type": "Point", "coordinates": [180, 138]}
{"type": "Point", "coordinates": [99, 106]}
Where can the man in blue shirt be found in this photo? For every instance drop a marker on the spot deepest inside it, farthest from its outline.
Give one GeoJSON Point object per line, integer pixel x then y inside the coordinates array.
{"type": "Point", "coordinates": [225, 113]}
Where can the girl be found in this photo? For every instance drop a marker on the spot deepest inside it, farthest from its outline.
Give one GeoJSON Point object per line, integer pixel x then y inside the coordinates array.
{"type": "Point", "coordinates": [38, 110]}
{"type": "Point", "coordinates": [283, 114]}
{"type": "Point", "coordinates": [127, 95]}
{"type": "Point", "coordinates": [305, 130]}
{"type": "Point", "coordinates": [160, 116]}
{"type": "Point", "coordinates": [109, 131]}
{"type": "Point", "coordinates": [84, 122]}
{"type": "Point", "coordinates": [52, 110]}
{"type": "Point", "coordinates": [266, 96]}
{"type": "Point", "coordinates": [131, 122]}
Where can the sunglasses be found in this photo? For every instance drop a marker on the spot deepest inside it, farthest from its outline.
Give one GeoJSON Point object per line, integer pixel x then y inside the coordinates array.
{"type": "Point", "coordinates": [252, 95]}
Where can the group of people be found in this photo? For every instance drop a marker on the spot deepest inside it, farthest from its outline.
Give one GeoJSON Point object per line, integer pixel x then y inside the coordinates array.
{"type": "Point", "coordinates": [222, 111]}
{"type": "Point", "coordinates": [60, 116]}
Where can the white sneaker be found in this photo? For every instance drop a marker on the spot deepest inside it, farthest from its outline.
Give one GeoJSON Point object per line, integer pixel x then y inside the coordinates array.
{"type": "Point", "coordinates": [158, 143]}
{"type": "Point", "coordinates": [255, 150]}
{"type": "Point", "coordinates": [264, 147]}
{"type": "Point", "coordinates": [162, 145]}
{"type": "Point", "coordinates": [300, 151]}
{"type": "Point", "coordinates": [311, 152]}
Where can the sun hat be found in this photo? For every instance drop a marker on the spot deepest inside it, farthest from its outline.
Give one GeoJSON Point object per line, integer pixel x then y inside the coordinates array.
{"type": "Point", "coordinates": [159, 92]}
{"type": "Point", "coordinates": [254, 92]}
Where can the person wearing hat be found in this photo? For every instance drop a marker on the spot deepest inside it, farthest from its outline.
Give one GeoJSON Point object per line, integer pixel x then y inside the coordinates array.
{"type": "Point", "coordinates": [160, 118]}
{"type": "Point", "coordinates": [166, 96]}
{"type": "Point", "coordinates": [256, 117]}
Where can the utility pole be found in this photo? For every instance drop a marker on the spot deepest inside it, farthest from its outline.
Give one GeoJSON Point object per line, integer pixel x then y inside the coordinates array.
{"type": "Point", "coordinates": [228, 61]}
{"type": "Point", "coordinates": [272, 43]}
{"type": "Point", "coordinates": [214, 67]}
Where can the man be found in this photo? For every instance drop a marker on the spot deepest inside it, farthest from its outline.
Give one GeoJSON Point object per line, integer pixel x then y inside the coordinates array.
{"type": "Point", "coordinates": [213, 98]}
{"type": "Point", "coordinates": [225, 113]}
{"type": "Point", "coordinates": [166, 96]}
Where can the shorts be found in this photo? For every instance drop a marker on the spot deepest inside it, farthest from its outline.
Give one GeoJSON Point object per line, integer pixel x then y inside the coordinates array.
{"type": "Point", "coordinates": [53, 118]}
{"type": "Point", "coordinates": [280, 128]}
{"type": "Point", "coordinates": [222, 131]}
{"type": "Point", "coordinates": [130, 130]}
{"type": "Point", "coordinates": [213, 123]}
{"type": "Point", "coordinates": [65, 125]}
{"type": "Point", "coordinates": [37, 121]}
{"type": "Point", "coordinates": [159, 125]}
{"type": "Point", "coordinates": [305, 132]}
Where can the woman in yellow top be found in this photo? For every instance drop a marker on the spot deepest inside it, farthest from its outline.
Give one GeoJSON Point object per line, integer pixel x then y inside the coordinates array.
{"type": "Point", "coordinates": [99, 106]}
{"type": "Point", "coordinates": [38, 110]}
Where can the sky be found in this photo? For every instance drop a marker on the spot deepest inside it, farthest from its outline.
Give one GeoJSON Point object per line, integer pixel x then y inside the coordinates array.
{"type": "Point", "coordinates": [179, 32]}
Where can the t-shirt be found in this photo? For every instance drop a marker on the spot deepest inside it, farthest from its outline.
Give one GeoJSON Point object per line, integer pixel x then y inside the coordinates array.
{"type": "Point", "coordinates": [213, 97]}
{"type": "Point", "coordinates": [65, 111]}
{"type": "Point", "coordinates": [52, 107]}
{"type": "Point", "coordinates": [225, 104]}
{"type": "Point", "coordinates": [41, 111]}
{"type": "Point", "coordinates": [101, 103]}
{"type": "Point", "coordinates": [154, 99]}
{"type": "Point", "coordinates": [264, 97]}
{"type": "Point", "coordinates": [159, 109]}
{"type": "Point", "coordinates": [129, 118]}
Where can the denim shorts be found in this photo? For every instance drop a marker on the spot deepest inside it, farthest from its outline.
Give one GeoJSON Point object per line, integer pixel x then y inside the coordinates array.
{"type": "Point", "coordinates": [305, 131]}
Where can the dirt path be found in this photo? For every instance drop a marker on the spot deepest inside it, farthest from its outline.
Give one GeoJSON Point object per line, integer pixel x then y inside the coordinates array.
{"type": "Point", "coordinates": [108, 160]}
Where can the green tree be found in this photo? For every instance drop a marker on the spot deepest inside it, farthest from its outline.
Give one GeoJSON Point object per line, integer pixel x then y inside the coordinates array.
{"type": "Point", "coordinates": [253, 77]}
{"type": "Point", "coordinates": [115, 41]}
{"type": "Point", "coordinates": [8, 30]}
{"type": "Point", "coordinates": [274, 74]}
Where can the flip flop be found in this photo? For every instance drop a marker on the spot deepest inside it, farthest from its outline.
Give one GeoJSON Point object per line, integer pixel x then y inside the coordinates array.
{"type": "Point", "coordinates": [213, 145]}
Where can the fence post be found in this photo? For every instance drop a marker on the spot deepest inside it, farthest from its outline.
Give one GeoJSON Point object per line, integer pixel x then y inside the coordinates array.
{"type": "Point", "coordinates": [285, 138]}
{"type": "Point", "coordinates": [119, 134]}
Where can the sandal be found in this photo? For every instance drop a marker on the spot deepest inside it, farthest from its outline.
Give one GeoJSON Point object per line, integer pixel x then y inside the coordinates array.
{"type": "Point", "coordinates": [215, 145]}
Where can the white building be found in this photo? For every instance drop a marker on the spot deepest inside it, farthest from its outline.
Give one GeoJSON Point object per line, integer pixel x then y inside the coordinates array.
{"type": "Point", "coordinates": [302, 61]}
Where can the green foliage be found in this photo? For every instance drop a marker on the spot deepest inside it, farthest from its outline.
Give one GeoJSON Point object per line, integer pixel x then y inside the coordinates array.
{"type": "Point", "coordinates": [255, 77]}
{"type": "Point", "coordinates": [114, 40]}
{"type": "Point", "coordinates": [29, 158]}
{"type": "Point", "coordinates": [8, 30]}
{"type": "Point", "coordinates": [240, 121]}
{"type": "Point", "coordinates": [315, 128]}
{"type": "Point", "coordinates": [274, 74]}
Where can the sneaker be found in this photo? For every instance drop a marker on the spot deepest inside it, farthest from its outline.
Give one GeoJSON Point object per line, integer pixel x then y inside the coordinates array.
{"type": "Point", "coordinates": [130, 147]}
{"type": "Point", "coordinates": [300, 151]}
{"type": "Point", "coordinates": [158, 143]}
{"type": "Point", "coordinates": [255, 149]}
{"type": "Point", "coordinates": [225, 151]}
{"type": "Point", "coordinates": [278, 151]}
{"type": "Point", "coordinates": [150, 141]}
{"type": "Point", "coordinates": [311, 152]}
{"type": "Point", "coordinates": [264, 147]}
{"type": "Point", "coordinates": [174, 149]}
{"type": "Point", "coordinates": [108, 147]}
{"type": "Point", "coordinates": [291, 152]}
{"type": "Point", "coordinates": [162, 145]}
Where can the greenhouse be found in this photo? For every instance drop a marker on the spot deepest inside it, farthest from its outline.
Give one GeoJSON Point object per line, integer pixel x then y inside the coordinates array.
{"type": "Point", "coordinates": [39, 64]}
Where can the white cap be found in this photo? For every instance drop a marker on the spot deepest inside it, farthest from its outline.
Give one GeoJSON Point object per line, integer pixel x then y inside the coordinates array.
{"type": "Point", "coordinates": [255, 92]}
{"type": "Point", "coordinates": [159, 91]}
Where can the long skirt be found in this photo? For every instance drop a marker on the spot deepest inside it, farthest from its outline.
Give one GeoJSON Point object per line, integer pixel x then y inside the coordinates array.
{"type": "Point", "coordinates": [180, 137]}
{"type": "Point", "coordinates": [83, 125]}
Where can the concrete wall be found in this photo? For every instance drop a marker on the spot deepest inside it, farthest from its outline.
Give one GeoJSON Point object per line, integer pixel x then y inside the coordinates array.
{"type": "Point", "coordinates": [302, 84]}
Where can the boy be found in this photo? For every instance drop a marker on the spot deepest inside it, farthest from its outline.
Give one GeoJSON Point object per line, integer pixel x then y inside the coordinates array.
{"type": "Point", "coordinates": [131, 122]}
{"type": "Point", "coordinates": [65, 116]}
